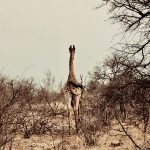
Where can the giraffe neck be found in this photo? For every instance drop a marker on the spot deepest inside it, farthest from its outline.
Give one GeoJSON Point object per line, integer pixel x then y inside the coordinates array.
{"type": "Point", "coordinates": [71, 69]}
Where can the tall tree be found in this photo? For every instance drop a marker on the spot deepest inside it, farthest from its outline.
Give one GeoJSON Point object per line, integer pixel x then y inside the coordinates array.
{"type": "Point", "coordinates": [134, 18]}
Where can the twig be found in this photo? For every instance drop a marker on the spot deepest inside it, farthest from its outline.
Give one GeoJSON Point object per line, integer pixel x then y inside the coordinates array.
{"type": "Point", "coordinates": [127, 132]}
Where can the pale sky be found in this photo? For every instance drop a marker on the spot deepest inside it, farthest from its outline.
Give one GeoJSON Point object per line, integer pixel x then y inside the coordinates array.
{"type": "Point", "coordinates": [35, 36]}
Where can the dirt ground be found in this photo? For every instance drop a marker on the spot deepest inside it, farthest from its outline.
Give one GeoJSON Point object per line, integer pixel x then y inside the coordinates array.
{"type": "Point", "coordinates": [58, 138]}
{"type": "Point", "coordinates": [115, 139]}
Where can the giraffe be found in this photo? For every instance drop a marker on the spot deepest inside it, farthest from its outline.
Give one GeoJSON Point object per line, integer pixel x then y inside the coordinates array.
{"type": "Point", "coordinates": [73, 88]}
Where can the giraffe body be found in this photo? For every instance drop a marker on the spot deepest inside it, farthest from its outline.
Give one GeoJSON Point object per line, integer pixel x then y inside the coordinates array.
{"type": "Point", "coordinates": [73, 88]}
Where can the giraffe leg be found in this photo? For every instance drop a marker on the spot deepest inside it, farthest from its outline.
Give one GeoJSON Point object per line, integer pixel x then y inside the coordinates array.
{"type": "Point", "coordinates": [69, 115]}
{"type": "Point", "coordinates": [76, 121]}
{"type": "Point", "coordinates": [78, 107]}
{"type": "Point", "coordinates": [76, 113]}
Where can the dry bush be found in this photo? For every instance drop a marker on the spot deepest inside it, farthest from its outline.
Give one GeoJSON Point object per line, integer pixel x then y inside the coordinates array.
{"type": "Point", "coordinates": [93, 121]}
{"type": "Point", "coordinates": [123, 91]}
{"type": "Point", "coordinates": [9, 110]}
{"type": "Point", "coordinates": [26, 108]}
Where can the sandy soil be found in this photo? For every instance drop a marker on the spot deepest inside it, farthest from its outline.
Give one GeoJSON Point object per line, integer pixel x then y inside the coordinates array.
{"type": "Point", "coordinates": [115, 139]}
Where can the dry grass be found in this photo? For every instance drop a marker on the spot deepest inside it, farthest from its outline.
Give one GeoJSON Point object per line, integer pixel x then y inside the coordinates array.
{"type": "Point", "coordinates": [37, 119]}
{"type": "Point", "coordinates": [115, 139]}
{"type": "Point", "coordinates": [57, 137]}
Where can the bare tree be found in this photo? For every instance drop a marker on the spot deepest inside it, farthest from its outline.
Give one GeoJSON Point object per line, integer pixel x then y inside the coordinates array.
{"type": "Point", "coordinates": [9, 111]}
{"type": "Point", "coordinates": [124, 91]}
{"type": "Point", "coordinates": [134, 18]}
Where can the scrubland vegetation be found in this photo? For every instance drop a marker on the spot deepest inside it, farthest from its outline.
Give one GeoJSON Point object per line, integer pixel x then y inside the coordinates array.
{"type": "Point", "coordinates": [115, 107]}
{"type": "Point", "coordinates": [116, 97]}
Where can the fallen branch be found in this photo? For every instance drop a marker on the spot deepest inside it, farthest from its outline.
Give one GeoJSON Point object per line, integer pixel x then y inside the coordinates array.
{"type": "Point", "coordinates": [127, 132]}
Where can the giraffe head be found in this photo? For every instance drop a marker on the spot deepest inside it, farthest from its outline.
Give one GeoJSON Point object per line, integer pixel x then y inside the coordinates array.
{"type": "Point", "coordinates": [72, 49]}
